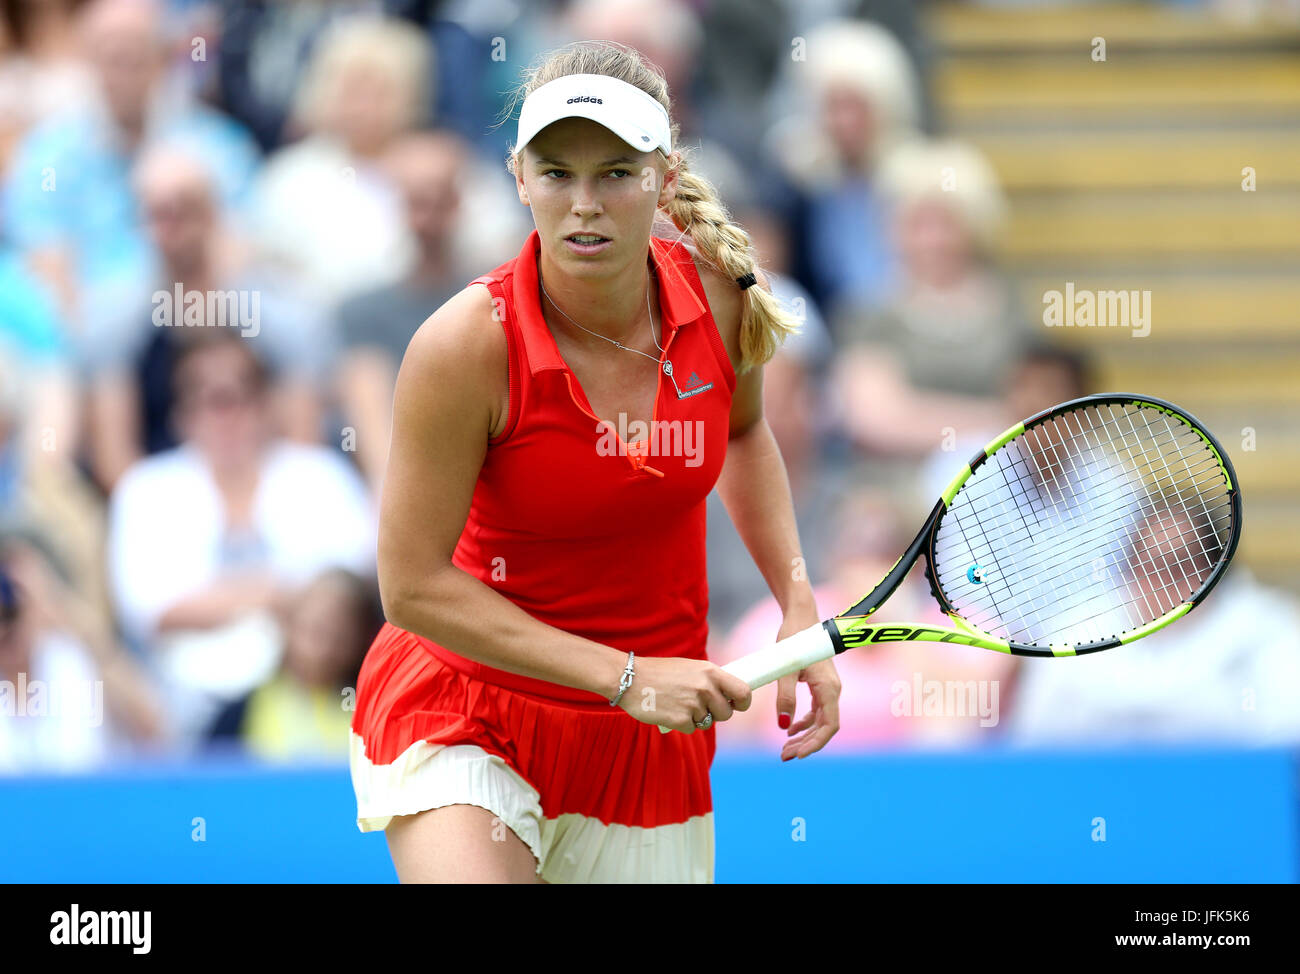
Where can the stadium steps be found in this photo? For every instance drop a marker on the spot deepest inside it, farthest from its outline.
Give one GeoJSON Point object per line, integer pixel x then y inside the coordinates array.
{"type": "Point", "coordinates": [1127, 175]}
{"type": "Point", "coordinates": [1030, 162]}
{"type": "Point", "coordinates": [1162, 229]}
{"type": "Point", "coordinates": [1253, 383]}
{"type": "Point", "coordinates": [971, 28]}
{"type": "Point", "coordinates": [1132, 88]}
{"type": "Point", "coordinates": [1194, 309]}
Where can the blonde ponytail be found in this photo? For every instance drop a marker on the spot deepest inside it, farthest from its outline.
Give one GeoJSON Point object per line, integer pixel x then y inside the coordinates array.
{"type": "Point", "coordinates": [697, 211]}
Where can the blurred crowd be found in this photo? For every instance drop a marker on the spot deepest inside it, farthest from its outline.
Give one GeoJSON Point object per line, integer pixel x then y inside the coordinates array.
{"type": "Point", "coordinates": [221, 222]}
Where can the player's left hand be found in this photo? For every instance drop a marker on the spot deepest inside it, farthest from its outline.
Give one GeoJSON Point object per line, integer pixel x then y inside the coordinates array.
{"type": "Point", "coordinates": [811, 732]}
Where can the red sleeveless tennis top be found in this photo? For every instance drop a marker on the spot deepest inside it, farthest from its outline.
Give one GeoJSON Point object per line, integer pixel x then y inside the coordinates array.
{"type": "Point", "coordinates": [598, 528]}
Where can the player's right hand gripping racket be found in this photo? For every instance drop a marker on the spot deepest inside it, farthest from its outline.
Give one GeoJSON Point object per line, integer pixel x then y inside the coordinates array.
{"type": "Point", "coordinates": [1088, 526]}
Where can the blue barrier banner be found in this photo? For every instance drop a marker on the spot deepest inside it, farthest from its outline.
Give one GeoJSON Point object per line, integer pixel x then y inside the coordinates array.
{"type": "Point", "coordinates": [1205, 816]}
{"type": "Point", "coordinates": [1011, 817]}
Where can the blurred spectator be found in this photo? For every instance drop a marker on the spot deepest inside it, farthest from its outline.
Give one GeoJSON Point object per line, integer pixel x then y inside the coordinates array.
{"type": "Point", "coordinates": [376, 325]}
{"type": "Point", "coordinates": [261, 56]}
{"type": "Point", "coordinates": [11, 458]}
{"type": "Point", "coordinates": [139, 331]}
{"type": "Point", "coordinates": [32, 337]}
{"type": "Point", "coordinates": [305, 710]}
{"type": "Point", "coordinates": [70, 697]}
{"type": "Point", "coordinates": [878, 707]}
{"type": "Point", "coordinates": [40, 485]}
{"type": "Point", "coordinates": [40, 75]}
{"type": "Point", "coordinates": [208, 540]}
{"type": "Point", "coordinates": [666, 32]}
{"type": "Point", "coordinates": [793, 381]}
{"type": "Point", "coordinates": [1043, 376]}
{"type": "Point", "coordinates": [466, 40]}
{"type": "Point", "coordinates": [744, 44]}
{"type": "Point", "coordinates": [1227, 673]}
{"type": "Point", "coordinates": [902, 18]}
{"type": "Point", "coordinates": [324, 205]}
{"type": "Point", "coordinates": [195, 26]}
{"type": "Point", "coordinates": [29, 320]}
{"type": "Point", "coordinates": [909, 22]}
{"type": "Point", "coordinates": [860, 92]}
{"type": "Point", "coordinates": [935, 354]}
{"type": "Point", "coordinates": [69, 204]}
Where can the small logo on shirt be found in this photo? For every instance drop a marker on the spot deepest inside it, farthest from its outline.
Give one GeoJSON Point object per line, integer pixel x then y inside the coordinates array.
{"type": "Point", "coordinates": [694, 386]}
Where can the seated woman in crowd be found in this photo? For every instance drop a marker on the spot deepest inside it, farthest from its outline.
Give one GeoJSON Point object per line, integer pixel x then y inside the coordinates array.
{"type": "Point", "coordinates": [939, 345]}
{"type": "Point", "coordinates": [209, 540]}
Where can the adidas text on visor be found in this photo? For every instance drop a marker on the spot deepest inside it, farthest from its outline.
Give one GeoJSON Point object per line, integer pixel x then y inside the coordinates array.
{"type": "Point", "coordinates": [624, 109]}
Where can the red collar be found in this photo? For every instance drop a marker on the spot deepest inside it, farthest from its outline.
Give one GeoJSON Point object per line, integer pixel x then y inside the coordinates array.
{"type": "Point", "coordinates": [678, 301]}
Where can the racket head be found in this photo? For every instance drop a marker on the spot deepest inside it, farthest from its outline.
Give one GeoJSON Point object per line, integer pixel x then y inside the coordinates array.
{"type": "Point", "coordinates": [1087, 526]}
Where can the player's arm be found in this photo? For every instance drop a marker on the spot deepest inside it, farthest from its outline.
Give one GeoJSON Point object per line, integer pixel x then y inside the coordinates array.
{"type": "Point", "coordinates": [450, 398]}
{"type": "Point", "coordinates": [755, 489]}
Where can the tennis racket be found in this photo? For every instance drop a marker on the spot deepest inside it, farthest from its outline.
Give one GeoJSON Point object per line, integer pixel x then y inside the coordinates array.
{"type": "Point", "coordinates": [1086, 527]}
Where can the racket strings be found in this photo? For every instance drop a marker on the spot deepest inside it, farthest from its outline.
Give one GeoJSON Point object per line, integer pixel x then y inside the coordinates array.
{"type": "Point", "coordinates": [1087, 525]}
{"type": "Point", "coordinates": [1095, 523]}
{"type": "Point", "coordinates": [1026, 486]}
{"type": "Point", "coordinates": [1105, 564]}
{"type": "Point", "coordinates": [1151, 599]}
{"type": "Point", "coordinates": [1149, 595]}
{"type": "Point", "coordinates": [1048, 466]}
{"type": "Point", "coordinates": [1154, 595]}
{"type": "Point", "coordinates": [999, 524]}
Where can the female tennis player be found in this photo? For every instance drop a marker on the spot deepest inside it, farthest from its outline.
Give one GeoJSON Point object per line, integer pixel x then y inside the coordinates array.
{"type": "Point", "coordinates": [557, 428]}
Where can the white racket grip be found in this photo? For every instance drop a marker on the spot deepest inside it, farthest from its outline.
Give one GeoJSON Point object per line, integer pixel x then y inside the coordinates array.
{"type": "Point", "coordinates": [790, 655]}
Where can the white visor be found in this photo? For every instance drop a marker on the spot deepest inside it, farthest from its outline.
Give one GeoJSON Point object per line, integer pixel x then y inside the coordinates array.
{"type": "Point", "coordinates": [624, 109]}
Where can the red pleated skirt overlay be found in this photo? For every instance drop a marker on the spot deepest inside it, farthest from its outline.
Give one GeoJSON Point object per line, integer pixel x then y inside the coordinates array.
{"type": "Point", "coordinates": [590, 760]}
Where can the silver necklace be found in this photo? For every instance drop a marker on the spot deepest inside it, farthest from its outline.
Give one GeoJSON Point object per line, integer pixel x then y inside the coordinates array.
{"type": "Point", "coordinates": [667, 364]}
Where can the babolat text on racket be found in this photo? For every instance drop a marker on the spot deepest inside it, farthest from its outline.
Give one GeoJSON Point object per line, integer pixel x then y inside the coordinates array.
{"type": "Point", "coordinates": [1086, 527]}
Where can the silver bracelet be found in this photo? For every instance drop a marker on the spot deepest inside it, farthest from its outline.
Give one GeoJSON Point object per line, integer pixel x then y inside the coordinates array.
{"type": "Point", "coordinates": [626, 680]}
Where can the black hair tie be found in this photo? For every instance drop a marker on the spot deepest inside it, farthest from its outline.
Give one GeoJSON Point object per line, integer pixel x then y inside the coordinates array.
{"type": "Point", "coordinates": [749, 280]}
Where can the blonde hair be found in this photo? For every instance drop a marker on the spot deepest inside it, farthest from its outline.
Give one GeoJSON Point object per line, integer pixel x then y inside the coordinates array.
{"type": "Point", "coordinates": [868, 59]}
{"type": "Point", "coordinates": [952, 172]}
{"type": "Point", "coordinates": [697, 211]}
{"type": "Point", "coordinates": [856, 56]}
{"type": "Point", "coordinates": [392, 47]}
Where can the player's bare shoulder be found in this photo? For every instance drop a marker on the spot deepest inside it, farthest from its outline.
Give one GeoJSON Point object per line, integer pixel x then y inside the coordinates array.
{"type": "Point", "coordinates": [462, 346]}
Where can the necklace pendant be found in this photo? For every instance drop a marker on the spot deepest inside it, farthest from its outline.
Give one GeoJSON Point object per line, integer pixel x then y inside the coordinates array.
{"type": "Point", "coordinates": [668, 368]}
